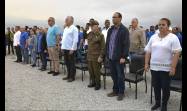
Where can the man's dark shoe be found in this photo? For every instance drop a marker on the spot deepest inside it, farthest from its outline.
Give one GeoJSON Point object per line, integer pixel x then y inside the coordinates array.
{"type": "Point", "coordinates": [112, 94]}
{"type": "Point", "coordinates": [91, 85]}
{"type": "Point", "coordinates": [50, 72]}
{"type": "Point", "coordinates": [43, 69]}
{"type": "Point", "coordinates": [65, 78]}
{"type": "Point", "coordinates": [120, 97]}
{"type": "Point", "coordinates": [33, 65]}
{"type": "Point", "coordinates": [56, 73]}
{"type": "Point", "coordinates": [71, 80]}
{"type": "Point", "coordinates": [19, 61]}
{"type": "Point", "coordinates": [97, 87]}
{"type": "Point", "coordinates": [156, 106]}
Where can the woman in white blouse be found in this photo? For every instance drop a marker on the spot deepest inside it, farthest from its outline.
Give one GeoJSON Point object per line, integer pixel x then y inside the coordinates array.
{"type": "Point", "coordinates": [162, 53]}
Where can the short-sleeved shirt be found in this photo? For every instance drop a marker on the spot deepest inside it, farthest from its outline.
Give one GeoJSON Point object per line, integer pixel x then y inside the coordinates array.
{"type": "Point", "coordinates": [162, 51]}
{"type": "Point", "coordinates": [51, 35]}
{"type": "Point", "coordinates": [24, 36]}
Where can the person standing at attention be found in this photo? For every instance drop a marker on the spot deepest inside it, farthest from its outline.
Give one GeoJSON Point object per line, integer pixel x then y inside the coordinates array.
{"type": "Point", "coordinates": [116, 51]}
{"type": "Point", "coordinates": [53, 44]}
{"type": "Point", "coordinates": [69, 47]}
{"type": "Point", "coordinates": [162, 66]}
{"type": "Point", "coordinates": [96, 45]}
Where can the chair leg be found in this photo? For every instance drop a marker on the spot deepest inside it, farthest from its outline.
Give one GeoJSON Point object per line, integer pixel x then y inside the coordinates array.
{"type": "Point", "coordinates": [180, 103]}
{"type": "Point", "coordinates": [151, 92]}
{"type": "Point", "coordinates": [50, 65]}
{"type": "Point", "coordinates": [38, 63]}
{"type": "Point", "coordinates": [82, 75]}
{"type": "Point", "coordinates": [145, 86]}
{"type": "Point", "coordinates": [136, 92]}
{"type": "Point", "coordinates": [104, 80]}
{"type": "Point", "coordinates": [129, 85]}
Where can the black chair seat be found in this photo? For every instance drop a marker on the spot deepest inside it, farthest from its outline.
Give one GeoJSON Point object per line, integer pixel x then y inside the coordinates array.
{"type": "Point", "coordinates": [176, 85]}
{"type": "Point", "coordinates": [62, 62]}
{"type": "Point", "coordinates": [81, 66]}
{"type": "Point", "coordinates": [102, 70]}
{"type": "Point", "coordinates": [131, 77]}
{"type": "Point", "coordinates": [48, 59]}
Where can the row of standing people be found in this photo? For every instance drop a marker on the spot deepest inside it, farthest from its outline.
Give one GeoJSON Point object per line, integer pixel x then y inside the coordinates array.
{"type": "Point", "coordinates": [30, 43]}
{"type": "Point", "coordinates": [119, 43]}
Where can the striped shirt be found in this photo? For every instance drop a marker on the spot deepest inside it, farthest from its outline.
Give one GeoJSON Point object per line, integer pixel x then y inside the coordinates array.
{"type": "Point", "coordinates": [112, 42]}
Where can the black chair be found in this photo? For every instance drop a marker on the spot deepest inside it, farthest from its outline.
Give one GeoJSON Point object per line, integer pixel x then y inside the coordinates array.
{"type": "Point", "coordinates": [82, 64]}
{"type": "Point", "coordinates": [38, 59]}
{"type": "Point", "coordinates": [29, 58]}
{"type": "Point", "coordinates": [176, 81]}
{"type": "Point", "coordinates": [136, 71]}
{"type": "Point", "coordinates": [49, 62]}
{"type": "Point", "coordinates": [105, 71]}
{"type": "Point", "coordinates": [62, 62]}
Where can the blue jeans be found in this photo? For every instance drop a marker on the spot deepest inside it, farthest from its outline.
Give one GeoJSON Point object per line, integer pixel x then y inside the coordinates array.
{"type": "Point", "coordinates": [25, 54]}
{"type": "Point", "coordinates": [33, 56]}
{"type": "Point", "coordinates": [118, 76]}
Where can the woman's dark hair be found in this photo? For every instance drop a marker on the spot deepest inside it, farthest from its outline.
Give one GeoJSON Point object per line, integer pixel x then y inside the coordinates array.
{"type": "Point", "coordinates": [167, 20]}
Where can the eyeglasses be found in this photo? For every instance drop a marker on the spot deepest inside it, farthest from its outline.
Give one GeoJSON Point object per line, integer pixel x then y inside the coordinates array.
{"type": "Point", "coordinates": [115, 17]}
{"type": "Point", "coordinates": [162, 25]}
{"type": "Point", "coordinates": [49, 20]}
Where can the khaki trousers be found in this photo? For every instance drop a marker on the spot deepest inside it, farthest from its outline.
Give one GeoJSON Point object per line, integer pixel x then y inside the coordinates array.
{"type": "Point", "coordinates": [54, 57]}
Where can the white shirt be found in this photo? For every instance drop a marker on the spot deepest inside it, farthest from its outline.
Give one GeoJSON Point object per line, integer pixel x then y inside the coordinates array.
{"type": "Point", "coordinates": [70, 38]}
{"type": "Point", "coordinates": [162, 51]}
{"type": "Point", "coordinates": [104, 32]}
{"type": "Point", "coordinates": [89, 30]}
{"type": "Point", "coordinates": [17, 38]}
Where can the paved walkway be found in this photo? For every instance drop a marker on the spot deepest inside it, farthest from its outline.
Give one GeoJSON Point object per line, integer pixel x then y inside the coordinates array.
{"type": "Point", "coordinates": [27, 88]}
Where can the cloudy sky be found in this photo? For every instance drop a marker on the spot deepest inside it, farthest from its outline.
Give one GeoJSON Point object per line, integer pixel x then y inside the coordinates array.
{"type": "Point", "coordinates": [148, 12]}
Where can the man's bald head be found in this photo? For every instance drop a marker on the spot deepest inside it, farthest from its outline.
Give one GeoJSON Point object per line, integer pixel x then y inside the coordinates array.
{"type": "Point", "coordinates": [69, 20]}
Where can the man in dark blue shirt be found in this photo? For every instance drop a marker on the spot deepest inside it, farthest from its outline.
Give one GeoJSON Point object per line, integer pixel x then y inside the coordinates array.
{"type": "Point", "coordinates": [24, 45]}
{"type": "Point", "coordinates": [42, 48]}
{"type": "Point", "coordinates": [175, 31]}
{"type": "Point", "coordinates": [150, 33]}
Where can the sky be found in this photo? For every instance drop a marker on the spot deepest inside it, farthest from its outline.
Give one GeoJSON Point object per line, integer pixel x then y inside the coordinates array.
{"type": "Point", "coordinates": [36, 12]}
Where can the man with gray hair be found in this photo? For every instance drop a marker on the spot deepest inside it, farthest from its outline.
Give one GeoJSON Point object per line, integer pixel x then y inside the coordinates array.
{"type": "Point", "coordinates": [53, 44]}
{"type": "Point", "coordinates": [137, 37]}
{"type": "Point", "coordinates": [69, 46]}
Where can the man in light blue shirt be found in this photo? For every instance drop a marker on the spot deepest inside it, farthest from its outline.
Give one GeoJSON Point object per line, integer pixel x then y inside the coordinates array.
{"type": "Point", "coordinates": [53, 44]}
{"type": "Point", "coordinates": [69, 46]}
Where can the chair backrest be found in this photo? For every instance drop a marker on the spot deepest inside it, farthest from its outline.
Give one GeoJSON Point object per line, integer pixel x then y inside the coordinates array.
{"type": "Point", "coordinates": [83, 58]}
{"type": "Point", "coordinates": [178, 73]}
{"type": "Point", "coordinates": [106, 63]}
{"type": "Point", "coordinates": [137, 63]}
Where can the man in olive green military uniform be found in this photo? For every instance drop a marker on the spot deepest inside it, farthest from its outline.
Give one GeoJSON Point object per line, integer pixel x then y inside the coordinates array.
{"type": "Point", "coordinates": [9, 37]}
{"type": "Point", "coordinates": [96, 44]}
